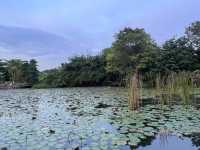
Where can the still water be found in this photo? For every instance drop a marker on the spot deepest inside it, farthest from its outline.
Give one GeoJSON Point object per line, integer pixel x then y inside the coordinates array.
{"type": "Point", "coordinates": [88, 119]}
{"type": "Point", "coordinates": [170, 143]}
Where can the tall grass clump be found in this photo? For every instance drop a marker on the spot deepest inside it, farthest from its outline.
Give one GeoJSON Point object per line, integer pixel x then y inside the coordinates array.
{"type": "Point", "coordinates": [134, 92]}
{"type": "Point", "coordinates": [158, 89]}
{"type": "Point", "coordinates": [186, 87]}
{"type": "Point", "coordinates": [173, 87]}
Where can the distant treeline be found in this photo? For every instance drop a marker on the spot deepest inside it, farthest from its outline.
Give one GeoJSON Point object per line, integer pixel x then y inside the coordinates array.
{"type": "Point", "coordinates": [133, 49]}
{"type": "Point", "coordinates": [17, 71]}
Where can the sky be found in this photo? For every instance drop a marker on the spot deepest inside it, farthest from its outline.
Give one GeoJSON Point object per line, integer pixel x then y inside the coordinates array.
{"type": "Point", "coordinates": [90, 25]}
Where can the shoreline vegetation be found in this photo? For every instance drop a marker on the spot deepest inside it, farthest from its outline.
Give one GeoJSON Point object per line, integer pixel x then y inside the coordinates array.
{"type": "Point", "coordinates": [9, 85]}
{"type": "Point", "coordinates": [132, 49]}
{"type": "Point", "coordinates": [172, 89]}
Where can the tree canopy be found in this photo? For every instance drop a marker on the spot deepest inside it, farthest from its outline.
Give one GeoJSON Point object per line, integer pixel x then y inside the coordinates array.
{"type": "Point", "coordinates": [3, 71]}
{"type": "Point", "coordinates": [124, 54]}
{"type": "Point", "coordinates": [16, 70]}
{"type": "Point", "coordinates": [132, 49]}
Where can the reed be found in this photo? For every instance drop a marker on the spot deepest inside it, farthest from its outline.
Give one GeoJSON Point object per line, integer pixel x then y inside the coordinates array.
{"type": "Point", "coordinates": [185, 87]}
{"type": "Point", "coordinates": [170, 89]}
{"type": "Point", "coordinates": [173, 86]}
{"type": "Point", "coordinates": [158, 89]}
{"type": "Point", "coordinates": [134, 92]}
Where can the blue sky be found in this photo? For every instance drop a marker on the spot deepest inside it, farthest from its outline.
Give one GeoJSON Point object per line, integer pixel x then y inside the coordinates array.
{"type": "Point", "coordinates": [90, 24]}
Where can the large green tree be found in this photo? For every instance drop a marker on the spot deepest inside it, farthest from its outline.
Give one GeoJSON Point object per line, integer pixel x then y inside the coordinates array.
{"type": "Point", "coordinates": [22, 71]}
{"type": "Point", "coordinates": [177, 55]}
{"type": "Point", "coordinates": [125, 54]}
{"type": "Point", "coordinates": [123, 57]}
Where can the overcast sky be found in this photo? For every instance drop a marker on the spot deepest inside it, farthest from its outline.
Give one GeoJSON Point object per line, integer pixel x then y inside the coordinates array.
{"type": "Point", "coordinates": [90, 24]}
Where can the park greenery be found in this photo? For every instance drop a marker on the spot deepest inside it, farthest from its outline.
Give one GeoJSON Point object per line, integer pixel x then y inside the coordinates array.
{"type": "Point", "coordinates": [132, 49]}
{"type": "Point", "coordinates": [18, 71]}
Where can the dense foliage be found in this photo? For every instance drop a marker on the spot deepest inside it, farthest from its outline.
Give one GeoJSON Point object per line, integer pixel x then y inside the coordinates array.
{"type": "Point", "coordinates": [123, 56]}
{"type": "Point", "coordinates": [79, 71]}
{"type": "Point", "coordinates": [3, 71]}
{"type": "Point", "coordinates": [18, 71]}
{"type": "Point", "coordinates": [132, 49]}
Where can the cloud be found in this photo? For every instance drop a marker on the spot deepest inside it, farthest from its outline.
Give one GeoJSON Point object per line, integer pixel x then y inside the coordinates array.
{"type": "Point", "coordinates": [49, 49]}
{"type": "Point", "coordinates": [89, 25]}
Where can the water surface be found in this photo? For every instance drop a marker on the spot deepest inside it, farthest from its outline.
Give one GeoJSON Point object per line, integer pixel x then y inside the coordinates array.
{"type": "Point", "coordinates": [86, 118]}
{"type": "Point", "coordinates": [170, 143]}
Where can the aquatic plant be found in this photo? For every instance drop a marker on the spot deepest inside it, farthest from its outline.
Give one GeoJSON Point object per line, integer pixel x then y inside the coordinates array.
{"type": "Point", "coordinates": [134, 92]}
{"type": "Point", "coordinates": [158, 89]}
{"type": "Point", "coordinates": [185, 87]}
{"type": "Point", "coordinates": [87, 127]}
{"type": "Point", "coordinates": [196, 78]}
{"type": "Point", "coordinates": [170, 89]}
{"type": "Point", "coordinates": [174, 87]}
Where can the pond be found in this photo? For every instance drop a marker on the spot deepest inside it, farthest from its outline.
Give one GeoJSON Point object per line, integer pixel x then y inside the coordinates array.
{"type": "Point", "coordinates": [90, 119]}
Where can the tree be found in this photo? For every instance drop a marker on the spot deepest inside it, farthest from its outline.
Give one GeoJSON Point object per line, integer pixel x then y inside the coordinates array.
{"type": "Point", "coordinates": [51, 78]}
{"type": "Point", "coordinates": [3, 71]}
{"type": "Point", "coordinates": [150, 62]}
{"type": "Point", "coordinates": [14, 70]}
{"type": "Point", "coordinates": [25, 71]}
{"type": "Point", "coordinates": [84, 71]}
{"type": "Point", "coordinates": [177, 55]}
{"type": "Point", "coordinates": [128, 45]}
{"type": "Point", "coordinates": [193, 34]}
{"type": "Point", "coordinates": [22, 71]}
{"type": "Point", "coordinates": [124, 55]}
{"type": "Point", "coordinates": [33, 73]}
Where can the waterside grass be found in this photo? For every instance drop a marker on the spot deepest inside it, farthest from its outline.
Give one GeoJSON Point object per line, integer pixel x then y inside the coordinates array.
{"type": "Point", "coordinates": [170, 89]}
{"type": "Point", "coordinates": [134, 92]}
{"type": "Point", "coordinates": [176, 88]}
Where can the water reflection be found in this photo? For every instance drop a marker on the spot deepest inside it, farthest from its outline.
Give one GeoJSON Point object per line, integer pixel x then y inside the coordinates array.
{"type": "Point", "coordinates": [169, 142]}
